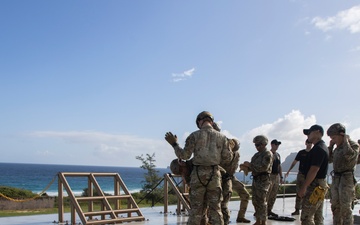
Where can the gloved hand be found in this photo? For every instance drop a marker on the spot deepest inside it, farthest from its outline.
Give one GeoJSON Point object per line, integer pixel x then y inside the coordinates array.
{"type": "Point", "coordinates": [317, 195]}
{"type": "Point", "coordinates": [234, 144]}
{"type": "Point", "coordinates": [171, 139]}
{"type": "Point", "coordinates": [244, 168]}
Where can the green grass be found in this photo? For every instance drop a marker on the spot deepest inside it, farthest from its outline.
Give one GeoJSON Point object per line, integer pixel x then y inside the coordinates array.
{"type": "Point", "coordinates": [7, 213]}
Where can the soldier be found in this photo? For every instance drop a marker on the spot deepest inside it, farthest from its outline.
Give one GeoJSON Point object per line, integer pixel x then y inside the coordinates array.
{"type": "Point", "coordinates": [230, 182]}
{"type": "Point", "coordinates": [260, 166]}
{"type": "Point", "coordinates": [314, 188]}
{"type": "Point", "coordinates": [344, 158]}
{"type": "Point", "coordinates": [275, 177]}
{"type": "Point", "coordinates": [300, 177]}
{"type": "Point", "coordinates": [209, 148]}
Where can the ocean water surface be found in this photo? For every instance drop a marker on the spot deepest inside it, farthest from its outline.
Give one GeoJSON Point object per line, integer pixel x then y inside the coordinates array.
{"type": "Point", "coordinates": [36, 177]}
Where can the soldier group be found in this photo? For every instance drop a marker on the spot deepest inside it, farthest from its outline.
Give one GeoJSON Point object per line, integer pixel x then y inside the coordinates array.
{"type": "Point", "coordinates": [209, 161]}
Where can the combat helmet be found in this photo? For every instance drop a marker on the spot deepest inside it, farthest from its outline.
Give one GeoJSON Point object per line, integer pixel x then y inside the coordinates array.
{"type": "Point", "coordinates": [336, 129]}
{"type": "Point", "coordinates": [203, 115]}
{"type": "Point", "coordinates": [260, 139]}
{"type": "Point", "coordinates": [175, 167]}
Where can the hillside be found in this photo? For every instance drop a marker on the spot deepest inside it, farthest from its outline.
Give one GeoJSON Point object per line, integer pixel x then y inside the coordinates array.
{"type": "Point", "coordinates": [290, 158]}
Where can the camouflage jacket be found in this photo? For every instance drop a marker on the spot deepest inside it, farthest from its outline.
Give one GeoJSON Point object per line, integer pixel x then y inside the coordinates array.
{"type": "Point", "coordinates": [261, 162]}
{"type": "Point", "coordinates": [208, 147]}
{"type": "Point", "coordinates": [345, 156]}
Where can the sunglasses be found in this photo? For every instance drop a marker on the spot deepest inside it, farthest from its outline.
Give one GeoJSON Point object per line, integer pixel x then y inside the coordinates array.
{"type": "Point", "coordinates": [257, 145]}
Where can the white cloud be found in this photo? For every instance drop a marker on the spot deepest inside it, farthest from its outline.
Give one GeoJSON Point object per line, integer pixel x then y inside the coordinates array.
{"type": "Point", "coordinates": [347, 19]}
{"type": "Point", "coordinates": [355, 49]}
{"type": "Point", "coordinates": [183, 76]}
{"type": "Point", "coordinates": [44, 153]}
{"type": "Point", "coordinates": [288, 130]}
{"type": "Point", "coordinates": [98, 148]}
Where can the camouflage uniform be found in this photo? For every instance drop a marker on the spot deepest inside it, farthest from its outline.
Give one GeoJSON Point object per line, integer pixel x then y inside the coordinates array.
{"type": "Point", "coordinates": [342, 189]}
{"type": "Point", "coordinates": [209, 149]}
{"type": "Point", "coordinates": [243, 194]}
{"type": "Point", "coordinates": [312, 213]}
{"type": "Point", "coordinates": [300, 179]}
{"type": "Point", "coordinates": [230, 183]}
{"type": "Point", "coordinates": [261, 164]}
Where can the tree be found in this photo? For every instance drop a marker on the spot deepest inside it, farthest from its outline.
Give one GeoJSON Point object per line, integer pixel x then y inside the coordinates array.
{"type": "Point", "coordinates": [152, 178]}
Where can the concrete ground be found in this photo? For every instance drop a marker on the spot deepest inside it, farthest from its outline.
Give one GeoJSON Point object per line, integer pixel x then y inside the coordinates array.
{"type": "Point", "coordinates": [155, 215]}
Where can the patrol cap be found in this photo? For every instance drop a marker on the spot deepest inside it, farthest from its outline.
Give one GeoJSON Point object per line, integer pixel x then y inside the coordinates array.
{"type": "Point", "coordinates": [313, 128]}
{"type": "Point", "coordinates": [260, 139]}
{"type": "Point", "coordinates": [336, 129]}
{"type": "Point", "coordinates": [276, 142]}
{"type": "Point", "coordinates": [175, 167]}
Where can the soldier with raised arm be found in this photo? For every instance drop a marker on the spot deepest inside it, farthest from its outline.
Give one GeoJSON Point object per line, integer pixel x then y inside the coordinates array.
{"type": "Point", "coordinates": [209, 148]}
{"type": "Point", "coordinates": [344, 158]}
{"type": "Point", "coordinates": [300, 177]}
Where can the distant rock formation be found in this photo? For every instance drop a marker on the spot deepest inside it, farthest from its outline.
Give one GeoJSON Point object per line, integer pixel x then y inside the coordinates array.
{"type": "Point", "coordinates": [290, 158]}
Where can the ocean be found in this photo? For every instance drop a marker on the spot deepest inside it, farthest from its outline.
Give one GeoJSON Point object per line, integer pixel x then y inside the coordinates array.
{"type": "Point", "coordinates": [36, 177]}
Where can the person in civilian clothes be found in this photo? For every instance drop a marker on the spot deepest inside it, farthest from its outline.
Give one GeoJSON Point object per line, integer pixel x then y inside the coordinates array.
{"type": "Point", "coordinates": [344, 158]}
{"type": "Point", "coordinates": [314, 188]}
{"type": "Point", "coordinates": [275, 177]}
{"type": "Point", "coordinates": [300, 177]}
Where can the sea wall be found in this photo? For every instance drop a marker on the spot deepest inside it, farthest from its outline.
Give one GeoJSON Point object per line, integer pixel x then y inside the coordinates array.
{"type": "Point", "coordinates": [39, 203]}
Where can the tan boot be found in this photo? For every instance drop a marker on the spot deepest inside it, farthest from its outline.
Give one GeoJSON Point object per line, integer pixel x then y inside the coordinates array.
{"type": "Point", "coordinates": [241, 219]}
{"type": "Point", "coordinates": [260, 222]}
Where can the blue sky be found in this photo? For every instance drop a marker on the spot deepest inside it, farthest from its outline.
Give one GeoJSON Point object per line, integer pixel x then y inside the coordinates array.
{"type": "Point", "coordinates": [100, 82]}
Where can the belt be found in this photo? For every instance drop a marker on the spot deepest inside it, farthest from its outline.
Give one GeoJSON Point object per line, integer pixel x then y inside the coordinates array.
{"type": "Point", "coordinates": [333, 173]}
{"type": "Point", "coordinates": [260, 174]}
{"type": "Point", "coordinates": [213, 166]}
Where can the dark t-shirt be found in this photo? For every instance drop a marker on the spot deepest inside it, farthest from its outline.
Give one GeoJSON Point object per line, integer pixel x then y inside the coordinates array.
{"type": "Point", "coordinates": [276, 163]}
{"type": "Point", "coordinates": [301, 157]}
{"type": "Point", "coordinates": [318, 156]}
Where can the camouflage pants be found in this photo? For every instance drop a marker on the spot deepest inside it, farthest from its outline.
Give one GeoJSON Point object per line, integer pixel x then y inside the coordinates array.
{"type": "Point", "coordinates": [342, 194]}
{"type": "Point", "coordinates": [312, 214]}
{"type": "Point", "coordinates": [260, 188]}
{"type": "Point", "coordinates": [227, 191]}
{"type": "Point", "coordinates": [273, 190]}
{"type": "Point", "coordinates": [243, 194]}
{"type": "Point", "coordinates": [205, 189]}
{"type": "Point", "coordinates": [300, 179]}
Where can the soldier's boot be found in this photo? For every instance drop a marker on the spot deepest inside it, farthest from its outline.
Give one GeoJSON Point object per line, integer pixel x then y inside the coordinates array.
{"type": "Point", "coordinates": [296, 212]}
{"type": "Point", "coordinates": [241, 218]}
{"type": "Point", "coordinates": [204, 220]}
{"type": "Point", "coordinates": [260, 222]}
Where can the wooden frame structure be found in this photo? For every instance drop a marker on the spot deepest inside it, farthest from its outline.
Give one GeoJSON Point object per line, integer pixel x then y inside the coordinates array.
{"type": "Point", "coordinates": [182, 194]}
{"type": "Point", "coordinates": [110, 205]}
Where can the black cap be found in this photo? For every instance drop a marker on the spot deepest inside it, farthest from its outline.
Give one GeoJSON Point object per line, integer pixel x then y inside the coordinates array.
{"type": "Point", "coordinates": [313, 128]}
{"type": "Point", "coordinates": [276, 142]}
